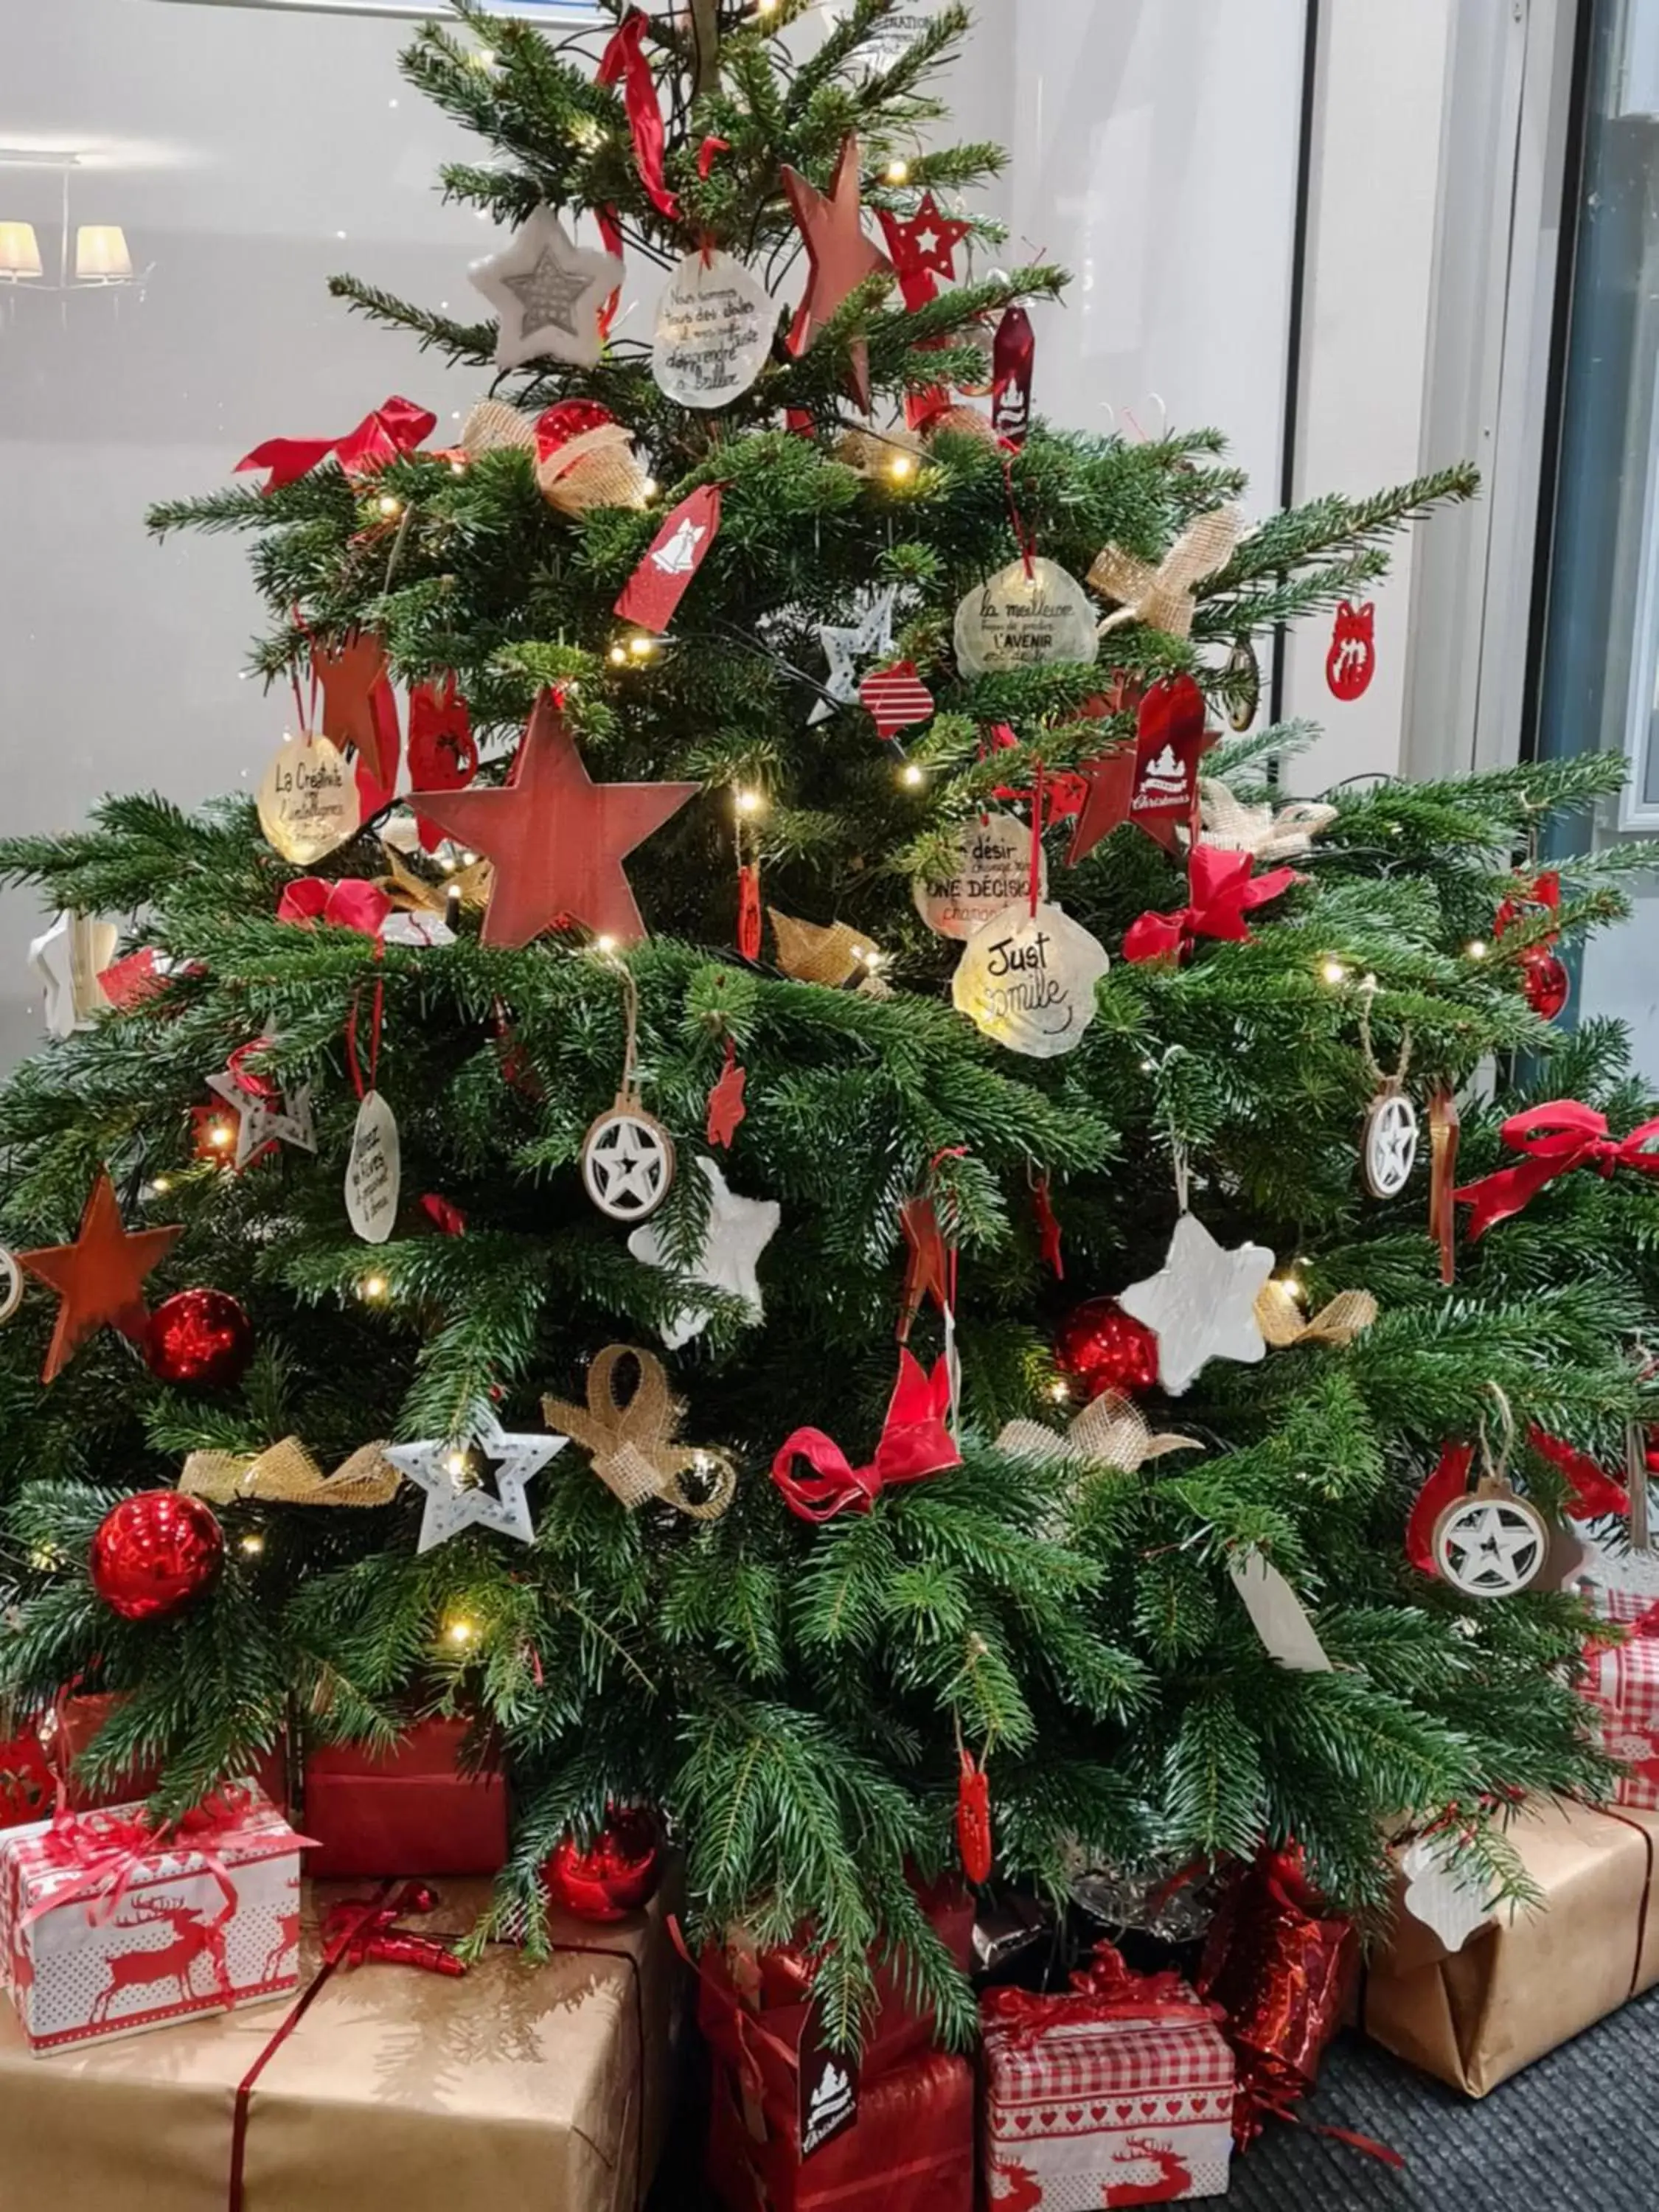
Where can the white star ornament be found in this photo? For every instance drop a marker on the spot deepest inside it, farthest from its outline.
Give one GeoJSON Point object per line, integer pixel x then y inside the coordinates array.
{"type": "Point", "coordinates": [1201, 1303]}
{"type": "Point", "coordinates": [738, 1231]}
{"type": "Point", "coordinates": [548, 292]}
{"type": "Point", "coordinates": [456, 1475]}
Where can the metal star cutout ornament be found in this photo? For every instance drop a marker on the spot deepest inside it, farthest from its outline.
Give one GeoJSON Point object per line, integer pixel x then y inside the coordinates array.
{"type": "Point", "coordinates": [869, 638]}
{"type": "Point", "coordinates": [547, 292]}
{"type": "Point", "coordinates": [738, 1231]}
{"type": "Point", "coordinates": [67, 958]}
{"type": "Point", "coordinates": [1202, 1304]}
{"type": "Point", "coordinates": [285, 1119]}
{"type": "Point", "coordinates": [457, 1477]}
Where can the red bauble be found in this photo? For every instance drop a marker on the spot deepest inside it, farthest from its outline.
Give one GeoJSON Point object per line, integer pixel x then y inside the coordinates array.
{"type": "Point", "coordinates": [616, 1876]}
{"type": "Point", "coordinates": [1545, 981]}
{"type": "Point", "coordinates": [1103, 1348]}
{"type": "Point", "coordinates": [199, 1338]}
{"type": "Point", "coordinates": [154, 1552]}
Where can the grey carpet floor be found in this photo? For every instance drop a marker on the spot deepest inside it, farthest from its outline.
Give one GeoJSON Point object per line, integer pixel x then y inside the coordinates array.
{"type": "Point", "coordinates": [1577, 2132]}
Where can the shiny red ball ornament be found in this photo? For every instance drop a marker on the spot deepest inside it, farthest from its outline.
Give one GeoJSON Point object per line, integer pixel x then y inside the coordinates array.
{"type": "Point", "coordinates": [617, 1876]}
{"type": "Point", "coordinates": [201, 1340]}
{"type": "Point", "coordinates": [1547, 983]}
{"type": "Point", "coordinates": [571, 418]}
{"type": "Point", "coordinates": [154, 1552]}
{"type": "Point", "coordinates": [1103, 1348]}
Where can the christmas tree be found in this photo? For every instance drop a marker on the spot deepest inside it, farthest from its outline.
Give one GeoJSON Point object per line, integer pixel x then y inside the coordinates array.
{"type": "Point", "coordinates": [629, 1110]}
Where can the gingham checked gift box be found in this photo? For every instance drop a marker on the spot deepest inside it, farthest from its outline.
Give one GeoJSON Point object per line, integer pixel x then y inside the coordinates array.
{"type": "Point", "coordinates": [1118, 2091]}
{"type": "Point", "coordinates": [1621, 1685]}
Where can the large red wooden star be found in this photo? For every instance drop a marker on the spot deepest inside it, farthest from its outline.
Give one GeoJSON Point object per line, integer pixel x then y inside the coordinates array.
{"type": "Point", "coordinates": [359, 707]}
{"type": "Point", "coordinates": [557, 838]}
{"type": "Point", "coordinates": [840, 255]}
{"type": "Point", "coordinates": [99, 1278]}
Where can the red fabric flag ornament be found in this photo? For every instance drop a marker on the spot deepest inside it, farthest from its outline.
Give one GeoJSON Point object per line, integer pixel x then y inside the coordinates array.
{"type": "Point", "coordinates": [359, 708]}
{"type": "Point", "coordinates": [897, 699]}
{"type": "Point", "coordinates": [974, 1846]}
{"type": "Point", "coordinates": [927, 1264]}
{"type": "Point", "coordinates": [99, 1278]}
{"type": "Point", "coordinates": [1449, 1482]}
{"type": "Point", "coordinates": [1171, 740]}
{"type": "Point", "coordinates": [914, 1442]}
{"type": "Point", "coordinates": [1552, 1139]}
{"type": "Point", "coordinates": [1594, 1491]}
{"type": "Point", "coordinates": [1222, 890]}
{"type": "Point", "coordinates": [348, 903]}
{"type": "Point", "coordinates": [673, 557]}
{"type": "Point", "coordinates": [447, 1219]}
{"type": "Point", "coordinates": [1013, 356]}
{"type": "Point", "coordinates": [557, 838]}
{"type": "Point", "coordinates": [397, 426]}
{"type": "Point", "coordinates": [840, 256]}
{"type": "Point", "coordinates": [923, 248]}
{"type": "Point", "coordinates": [726, 1110]}
{"type": "Point", "coordinates": [625, 57]}
{"type": "Point", "coordinates": [443, 753]}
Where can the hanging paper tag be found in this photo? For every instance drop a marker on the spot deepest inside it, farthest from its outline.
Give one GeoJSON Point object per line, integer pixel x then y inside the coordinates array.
{"type": "Point", "coordinates": [828, 2089]}
{"type": "Point", "coordinates": [992, 871]}
{"type": "Point", "coordinates": [1017, 620]}
{"type": "Point", "coordinates": [1027, 979]}
{"type": "Point", "coordinates": [889, 40]}
{"type": "Point", "coordinates": [677, 552]}
{"type": "Point", "coordinates": [1448, 1899]}
{"type": "Point", "coordinates": [1012, 355]}
{"type": "Point", "coordinates": [1278, 1614]}
{"type": "Point", "coordinates": [308, 803]}
{"type": "Point", "coordinates": [1351, 661]}
{"type": "Point", "coordinates": [374, 1171]}
{"type": "Point", "coordinates": [713, 332]}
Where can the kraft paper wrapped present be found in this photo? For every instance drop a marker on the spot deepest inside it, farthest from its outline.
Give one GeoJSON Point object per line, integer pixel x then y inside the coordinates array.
{"type": "Point", "coordinates": [394, 2090]}
{"type": "Point", "coordinates": [1519, 1986]}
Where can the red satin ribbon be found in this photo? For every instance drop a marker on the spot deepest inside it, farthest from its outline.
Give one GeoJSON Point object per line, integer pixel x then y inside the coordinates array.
{"type": "Point", "coordinates": [707, 152]}
{"type": "Point", "coordinates": [1552, 1139]}
{"type": "Point", "coordinates": [624, 58]}
{"type": "Point", "coordinates": [360, 1932]}
{"type": "Point", "coordinates": [1104, 1990]}
{"type": "Point", "coordinates": [1221, 891]}
{"type": "Point", "coordinates": [1595, 1492]}
{"type": "Point", "coordinates": [350, 903]}
{"type": "Point", "coordinates": [397, 426]}
{"type": "Point", "coordinates": [914, 1442]}
{"type": "Point", "coordinates": [1444, 1488]}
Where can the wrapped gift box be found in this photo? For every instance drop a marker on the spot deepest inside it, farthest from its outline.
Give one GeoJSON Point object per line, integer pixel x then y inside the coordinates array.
{"type": "Point", "coordinates": [395, 2091]}
{"type": "Point", "coordinates": [27, 1783]}
{"type": "Point", "coordinates": [80, 1719]}
{"type": "Point", "coordinates": [410, 1811]}
{"type": "Point", "coordinates": [1521, 1985]}
{"type": "Point", "coordinates": [1621, 1687]}
{"type": "Point", "coordinates": [1118, 2091]}
{"type": "Point", "coordinates": [106, 1930]}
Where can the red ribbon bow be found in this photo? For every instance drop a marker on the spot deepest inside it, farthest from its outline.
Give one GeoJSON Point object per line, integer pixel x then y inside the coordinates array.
{"type": "Point", "coordinates": [1221, 891]}
{"type": "Point", "coordinates": [1552, 1138]}
{"type": "Point", "coordinates": [1106, 1989]}
{"type": "Point", "coordinates": [350, 903]}
{"type": "Point", "coordinates": [624, 58]}
{"type": "Point", "coordinates": [914, 1442]}
{"type": "Point", "coordinates": [397, 426]}
{"type": "Point", "coordinates": [358, 1932]}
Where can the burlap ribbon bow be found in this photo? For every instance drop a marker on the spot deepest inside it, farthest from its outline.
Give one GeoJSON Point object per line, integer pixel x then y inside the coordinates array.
{"type": "Point", "coordinates": [1162, 596]}
{"type": "Point", "coordinates": [287, 1474]}
{"type": "Point", "coordinates": [1281, 1320]}
{"type": "Point", "coordinates": [1230, 826]}
{"type": "Point", "coordinates": [632, 1440]}
{"type": "Point", "coordinates": [1111, 1431]}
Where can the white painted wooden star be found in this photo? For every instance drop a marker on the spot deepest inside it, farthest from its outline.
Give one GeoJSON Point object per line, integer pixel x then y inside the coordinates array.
{"type": "Point", "coordinates": [1201, 1303]}
{"type": "Point", "coordinates": [476, 1481]}
{"type": "Point", "coordinates": [67, 958]}
{"type": "Point", "coordinates": [1232, 827]}
{"type": "Point", "coordinates": [738, 1231]}
{"type": "Point", "coordinates": [548, 292]}
{"type": "Point", "coordinates": [869, 638]}
{"type": "Point", "coordinates": [284, 1120]}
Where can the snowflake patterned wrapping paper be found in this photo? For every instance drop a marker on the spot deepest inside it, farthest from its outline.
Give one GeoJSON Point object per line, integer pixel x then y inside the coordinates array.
{"type": "Point", "coordinates": [1118, 2092]}
{"type": "Point", "coordinates": [106, 1930]}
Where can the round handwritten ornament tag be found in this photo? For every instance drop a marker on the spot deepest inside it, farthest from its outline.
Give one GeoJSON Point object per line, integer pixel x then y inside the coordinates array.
{"type": "Point", "coordinates": [1027, 979]}
{"type": "Point", "coordinates": [308, 802]}
{"type": "Point", "coordinates": [374, 1171]}
{"type": "Point", "coordinates": [1017, 620]}
{"type": "Point", "coordinates": [713, 332]}
{"type": "Point", "coordinates": [990, 868]}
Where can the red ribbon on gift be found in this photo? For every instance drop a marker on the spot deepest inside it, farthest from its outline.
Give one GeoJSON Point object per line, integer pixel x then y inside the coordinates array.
{"type": "Point", "coordinates": [1552, 1139]}
{"type": "Point", "coordinates": [397, 426]}
{"type": "Point", "coordinates": [914, 1442]}
{"type": "Point", "coordinates": [350, 903]}
{"type": "Point", "coordinates": [624, 58]}
{"type": "Point", "coordinates": [1106, 1989]}
{"type": "Point", "coordinates": [1222, 890]}
{"type": "Point", "coordinates": [360, 1932]}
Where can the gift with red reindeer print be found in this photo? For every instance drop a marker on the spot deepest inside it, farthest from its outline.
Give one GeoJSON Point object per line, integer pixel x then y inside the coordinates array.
{"type": "Point", "coordinates": [1117, 2091]}
{"type": "Point", "coordinates": [109, 1926]}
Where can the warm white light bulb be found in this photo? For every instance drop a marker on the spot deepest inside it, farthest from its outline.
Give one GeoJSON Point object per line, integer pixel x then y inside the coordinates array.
{"type": "Point", "coordinates": [1332, 970]}
{"type": "Point", "coordinates": [749, 802]}
{"type": "Point", "coordinates": [619, 656]}
{"type": "Point", "coordinates": [456, 1463]}
{"type": "Point", "coordinates": [897, 172]}
{"type": "Point", "coordinates": [605, 944]}
{"type": "Point", "coordinates": [641, 647]}
{"type": "Point", "coordinates": [389, 503]}
{"type": "Point", "coordinates": [459, 1631]}
{"type": "Point", "coordinates": [901, 466]}
{"type": "Point", "coordinates": [912, 774]}
{"type": "Point", "coordinates": [650, 487]}
{"type": "Point", "coordinates": [1477, 949]}
{"type": "Point", "coordinates": [374, 1286]}
{"type": "Point", "coordinates": [253, 1545]}
{"type": "Point", "coordinates": [1059, 1390]}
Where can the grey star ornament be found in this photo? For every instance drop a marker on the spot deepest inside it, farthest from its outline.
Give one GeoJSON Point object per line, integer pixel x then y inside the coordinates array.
{"type": "Point", "coordinates": [1201, 1303]}
{"type": "Point", "coordinates": [456, 1476]}
{"type": "Point", "coordinates": [547, 292]}
{"type": "Point", "coordinates": [286, 1120]}
{"type": "Point", "coordinates": [869, 638]}
{"type": "Point", "coordinates": [738, 1231]}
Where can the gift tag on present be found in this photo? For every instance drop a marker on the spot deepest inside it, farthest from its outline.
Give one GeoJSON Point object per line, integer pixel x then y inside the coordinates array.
{"type": "Point", "coordinates": [828, 2089]}
{"type": "Point", "coordinates": [374, 1171]}
{"type": "Point", "coordinates": [1022, 619]}
{"type": "Point", "coordinates": [1450, 1899]}
{"type": "Point", "coordinates": [1027, 979]}
{"type": "Point", "coordinates": [1278, 1616]}
{"type": "Point", "coordinates": [990, 870]}
{"type": "Point", "coordinates": [713, 332]}
{"type": "Point", "coordinates": [308, 802]}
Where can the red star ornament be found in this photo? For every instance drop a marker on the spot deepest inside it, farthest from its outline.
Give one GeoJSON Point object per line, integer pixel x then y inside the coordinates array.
{"type": "Point", "coordinates": [359, 707]}
{"type": "Point", "coordinates": [99, 1278]}
{"type": "Point", "coordinates": [918, 263]}
{"type": "Point", "coordinates": [1109, 785]}
{"type": "Point", "coordinates": [557, 838]}
{"type": "Point", "coordinates": [839, 257]}
{"type": "Point", "coordinates": [1171, 740]}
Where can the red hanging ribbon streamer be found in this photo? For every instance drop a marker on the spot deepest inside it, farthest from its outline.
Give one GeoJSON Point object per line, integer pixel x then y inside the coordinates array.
{"type": "Point", "coordinates": [914, 1442]}
{"type": "Point", "coordinates": [1595, 1492]}
{"type": "Point", "coordinates": [974, 1845]}
{"type": "Point", "coordinates": [726, 1110]}
{"type": "Point", "coordinates": [1552, 1139]}
{"type": "Point", "coordinates": [1222, 892]}
{"type": "Point", "coordinates": [707, 152]}
{"type": "Point", "coordinates": [396, 426]}
{"type": "Point", "coordinates": [624, 58]}
{"type": "Point", "coordinates": [749, 910]}
{"type": "Point", "coordinates": [377, 1009]}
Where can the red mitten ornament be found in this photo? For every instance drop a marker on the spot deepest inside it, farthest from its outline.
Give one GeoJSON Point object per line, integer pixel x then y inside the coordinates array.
{"type": "Point", "coordinates": [1351, 661]}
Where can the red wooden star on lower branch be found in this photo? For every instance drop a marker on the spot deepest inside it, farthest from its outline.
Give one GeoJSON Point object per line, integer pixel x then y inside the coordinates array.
{"type": "Point", "coordinates": [557, 839]}
{"type": "Point", "coordinates": [99, 1278]}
